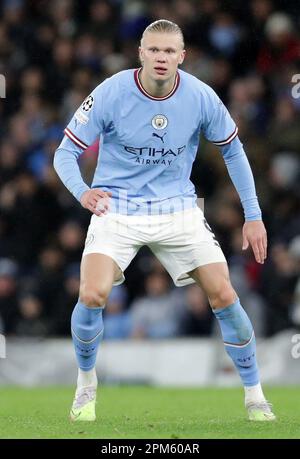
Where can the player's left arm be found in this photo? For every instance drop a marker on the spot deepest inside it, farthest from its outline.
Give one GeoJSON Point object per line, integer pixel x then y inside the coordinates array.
{"type": "Point", "coordinates": [220, 129]}
{"type": "Point", "coordinates": [254, 232]}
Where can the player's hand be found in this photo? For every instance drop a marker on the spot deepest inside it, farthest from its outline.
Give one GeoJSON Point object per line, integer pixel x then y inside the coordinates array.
{"type": "Point", "coordinates": [96, 200]}
{"type": "Point", "coordinates": [255, 235]}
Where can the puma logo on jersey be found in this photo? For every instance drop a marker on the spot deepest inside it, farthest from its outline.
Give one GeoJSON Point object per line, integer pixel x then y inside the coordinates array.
{"type": "Point", "coordinates": [161, 137]}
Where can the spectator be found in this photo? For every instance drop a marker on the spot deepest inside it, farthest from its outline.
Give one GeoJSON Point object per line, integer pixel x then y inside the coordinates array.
{"type": "Point", "coordinates": [63, 303]}
{"type": "Point", "coordinates": [71, 240]}
{"type": "Point", "coordinates": [8, 294]}
{"type": "Point", "coordinates": [281, 46]}
{"type": "Point", "coordinates": [198, 318]}
{"type": "Point", "coordinates": [116, 316]}
{"type": "Point", "coordinates": [158, 314]}
{"type": "Point", "coordinates": [31, 321]}
{"type": "Point", "coordinates": [278, 283]}
{"type": "Point", "coordinates": [49, 274]}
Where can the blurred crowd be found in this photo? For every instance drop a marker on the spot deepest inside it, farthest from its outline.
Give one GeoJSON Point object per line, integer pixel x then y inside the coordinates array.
{"type": "Point", "coordinates": [52, 55]}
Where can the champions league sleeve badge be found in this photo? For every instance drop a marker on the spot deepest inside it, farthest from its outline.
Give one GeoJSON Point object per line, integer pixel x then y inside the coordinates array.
{"type": "Point", "coordinates": [87, 104]}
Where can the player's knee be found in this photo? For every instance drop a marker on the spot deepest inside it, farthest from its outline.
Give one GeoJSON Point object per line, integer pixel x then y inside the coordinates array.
{"type": "Point", "coordinates": [93, 297]}
{"type": "Point", "coordinates": [223, 296]}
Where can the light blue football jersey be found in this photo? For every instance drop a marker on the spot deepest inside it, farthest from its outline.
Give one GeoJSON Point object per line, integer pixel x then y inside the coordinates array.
{"type": "Point", "coordinates": [148, 144]}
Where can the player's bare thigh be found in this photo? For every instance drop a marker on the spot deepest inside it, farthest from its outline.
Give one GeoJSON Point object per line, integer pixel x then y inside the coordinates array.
{"type": "Point", "coordinates": [214, 279]}
{"type": "Point", "coordinates": [97, 274]}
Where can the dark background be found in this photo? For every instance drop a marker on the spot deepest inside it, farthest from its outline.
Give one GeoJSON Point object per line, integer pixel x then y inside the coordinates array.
{"type": "Point", "coordinates": [52, 55]}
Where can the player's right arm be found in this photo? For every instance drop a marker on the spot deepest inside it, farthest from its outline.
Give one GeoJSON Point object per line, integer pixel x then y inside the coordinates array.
{"type": "Point", "coordinates": [86, 125]}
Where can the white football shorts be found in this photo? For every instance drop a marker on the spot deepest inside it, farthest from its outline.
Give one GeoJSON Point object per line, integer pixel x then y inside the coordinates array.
{"type": "Point", "coordinates": [181, 241]}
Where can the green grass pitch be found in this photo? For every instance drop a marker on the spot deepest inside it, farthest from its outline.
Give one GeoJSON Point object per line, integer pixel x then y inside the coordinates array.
{"type": "Point", "coordinates": [134, 412]}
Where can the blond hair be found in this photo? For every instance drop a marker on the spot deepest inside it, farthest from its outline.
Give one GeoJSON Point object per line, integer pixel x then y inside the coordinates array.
{"type": "Point", "coordinates": [163, 25]}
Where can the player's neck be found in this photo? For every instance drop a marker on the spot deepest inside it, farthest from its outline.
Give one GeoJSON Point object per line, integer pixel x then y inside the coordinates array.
{"type": "Point", "coordinates": [156, 88]}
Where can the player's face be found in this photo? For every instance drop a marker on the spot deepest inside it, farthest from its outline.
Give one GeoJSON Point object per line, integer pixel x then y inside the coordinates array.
{"type": "Point", "coordinates": [161, 53]}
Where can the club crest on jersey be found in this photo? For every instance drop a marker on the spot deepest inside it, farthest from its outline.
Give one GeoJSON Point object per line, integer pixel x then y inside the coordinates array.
{"type": "Point", "coordinates": [159, 122]}
{"type": "Point", "coordinates": [88, 103]}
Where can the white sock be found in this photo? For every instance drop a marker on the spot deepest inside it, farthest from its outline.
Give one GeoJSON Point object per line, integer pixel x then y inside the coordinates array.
{"type": "Point", "coordinates": [254, 393]}
{"type": "Point", "coordinates": [87, 378]}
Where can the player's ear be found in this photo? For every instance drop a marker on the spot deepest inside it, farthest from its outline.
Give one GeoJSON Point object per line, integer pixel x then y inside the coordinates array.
{"type": "Point", "coordinates": [182, 56]}
{"type": "Point", "coordinates": [141, 54]}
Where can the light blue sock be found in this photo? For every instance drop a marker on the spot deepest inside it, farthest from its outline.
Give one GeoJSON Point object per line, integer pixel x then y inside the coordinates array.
{"type": "Point", "coordinates": [239, 341]}
{"type": "Point", "coordinates": [87, 331]}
